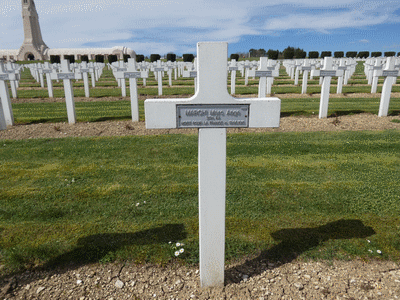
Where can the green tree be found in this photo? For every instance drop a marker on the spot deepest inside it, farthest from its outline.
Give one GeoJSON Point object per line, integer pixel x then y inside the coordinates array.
{"type": "Point", "coordinates": [288, 53]}
{"type": "Point", "coordinates": [273, 54]}
{"type": "Point", "coordinates": [313, 54]}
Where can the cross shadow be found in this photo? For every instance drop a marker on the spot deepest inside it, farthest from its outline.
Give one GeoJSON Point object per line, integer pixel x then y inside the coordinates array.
{"type": "Point", "coordinates": [294, 242]}
{"type": "Point", "coordinates": [94, 248]}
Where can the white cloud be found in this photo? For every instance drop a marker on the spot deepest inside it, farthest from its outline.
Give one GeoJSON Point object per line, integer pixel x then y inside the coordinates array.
{"type": "Point", "coordinates": [177, 25]}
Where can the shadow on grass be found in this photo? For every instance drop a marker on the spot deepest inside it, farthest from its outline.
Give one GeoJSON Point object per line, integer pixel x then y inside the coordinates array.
{"type": "Point", "coordinates": [94, 248]}
{"type": "Point", "coordinates": [118, 118]}
{"type": "Point", "coordinates": [47, 120]}
{"type": "Point", "coordinates": [294, 242]}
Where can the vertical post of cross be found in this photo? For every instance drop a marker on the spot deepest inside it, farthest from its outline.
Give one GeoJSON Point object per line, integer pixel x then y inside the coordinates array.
{"type": "Point", "coordinates": [391, 75]}
{"type": "Point", "coordinates": [67, 75]}
{"type": "Point", "coordinates": [5, 95]}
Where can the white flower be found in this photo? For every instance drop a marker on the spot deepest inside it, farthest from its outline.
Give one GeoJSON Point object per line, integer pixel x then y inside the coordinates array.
{"type": "Point", "coordinates": [379, 251]}
{"type": "Point", "coordinates": [177, 253]}
{"type": "Point", "coordinates": [182, 250]}
{"type": "Point", "coordinates": [137, 204]}
{"type": "Point", "coordinates": [368, 241]}
{"type": "Point", "coordinates": [178, 244]}
{"type": "Point", "coordinates": [370, 251]}
{"type": "Point", "coordinates": [144, 201]}
{"type": "Point", "coordinates": [169, 242]}
{"type": "Point", "coordinates": [73, 180]}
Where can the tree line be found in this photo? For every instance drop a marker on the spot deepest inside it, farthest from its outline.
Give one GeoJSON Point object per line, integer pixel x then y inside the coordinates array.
{"type": "Point", "coordinates": [292, 53]}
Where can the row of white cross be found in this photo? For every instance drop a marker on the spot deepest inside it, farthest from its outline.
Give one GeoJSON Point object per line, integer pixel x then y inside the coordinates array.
{"type": "Point", "coordinates": [267, 70]}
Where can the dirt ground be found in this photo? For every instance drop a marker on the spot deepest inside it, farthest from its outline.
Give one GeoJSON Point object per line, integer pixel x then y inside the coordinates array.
{"type": "Point", "coordinates": [250, 279]}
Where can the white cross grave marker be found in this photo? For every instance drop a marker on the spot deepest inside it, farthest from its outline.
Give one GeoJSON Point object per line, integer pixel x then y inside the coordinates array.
{"type": "Point", "coordinates": [391, 75]}
{"type": "Point", "coordinates": [132, 74]}
{"type": "Point", "coordinates": [233, 68]}
{"type": "Point", "coordinates": [85, 70]}
{"type": "Point", "coordinates": [378, 66]}
{"type": "Point", "coordinates": [265, 71]}
{"type": "Point", "coordinates": [66, 76]}
{"type": "Point", "coordinates": [5, 95]}
{"type": "Point", "coordinates": [327, 72]}
{"type": "Point", "coordinates": [306, 67]}
{"type": "Point", "coordinates": [212, 110]}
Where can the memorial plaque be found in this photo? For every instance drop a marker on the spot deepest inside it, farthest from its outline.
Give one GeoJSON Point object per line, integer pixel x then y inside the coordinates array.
{"type": "Point", "coordinates": [212, 116]}
{"type": "Point", "coordinates": [47, 71]}
{"type": "Point", "coordinates": [132, 75]}
{"type": "Point", "coordinates": [263, 74]}
{"type": "Point", "coordinates": [324, 73]}
{"type": "Point", "coordinates": [66, 76]}
{"type": "Point", "coordinates": [306, 68]}
{"type": "Point", "coordinates": [233, 68]}
{"type": "Point", "coordinates": [390, 73]}
{"type": "Point", "coordinates": [84, 70]}
{"type": "Point", "coordinates": [4, 77]}
{"type": "Point", "coordinates": [158, 69]}
{"type": "Point", "coordinates": [193, 74]}
{"type": "Point", "coordinates": [342, 68]}
{"type": "Point", "coordinates": [121, 69]}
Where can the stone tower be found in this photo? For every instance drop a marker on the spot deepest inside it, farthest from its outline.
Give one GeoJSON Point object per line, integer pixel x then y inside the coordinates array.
{"type": "Point", "coordinates": [33, 47]}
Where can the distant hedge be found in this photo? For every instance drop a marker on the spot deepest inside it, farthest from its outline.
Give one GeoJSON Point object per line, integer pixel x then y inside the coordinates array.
{"type": "Point", "coordinates": [235, 56]}
{"type": "Point", "coordinates": [126, 57]}
{"type": "Point", "coordinates": [351, 54]}
{"type": "Point", "coordinates": [139, 58]}
{"type": "Point", "coordinates": [326, 54]}
{"type": "Point", "coordinates": [188, 57]}
{"type": "Point", "coordinates": [338, 54]}
{"type": "Point", "coordinates": [112, 58]}
{"type": "Point", "coordinates": [99, 58]}
{"type": "Point", "coordinates": [363, 54]}
{"type": "Point", "coordinates": [171, 57]}
{"type": "Point", "coordinates": [71, 58]}
{"type": "Point", "coordinates": [55, 59]}
{"type": "Point", "coordinates": [390, 53]}
{"type": "Point", "coordinates": [154, 57]}
{"type": "Point", "coordinates": [376, 54]}
{"type": "Point", "coordinates": [313, 54]}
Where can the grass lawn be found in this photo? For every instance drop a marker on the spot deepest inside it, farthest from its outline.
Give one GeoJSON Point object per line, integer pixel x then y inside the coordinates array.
{"type": "Point", "coordinates": [308, 195]}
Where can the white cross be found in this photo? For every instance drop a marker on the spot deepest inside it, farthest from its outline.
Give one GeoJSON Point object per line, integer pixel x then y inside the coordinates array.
{"type": "Point", "coordinates": [158, 72]}
{"type": "Point", "coordinates": [84, 69]}
{"type": "Point", "coordinates": [66, 75]}
{"type": "Point", "coordinates": [391, 75]}
{"type": "Point", "coordinates": [11, 68]}
{"type": "Point", "coordinates": [132, 74]}
{"type": "Point", "coordinates": [306, 67]}
{"type": "Point", "coordinates": [266, 72]}
{"type": "Point", "coordinates": [378, 66]}
{"type": "Point", "coordinates": [233, 68]}
{"type": "Point", "coordinates": [211, 110]}
{"type": "Point", "coordinates": [7, 111]}
{"type": "Point", "coordinates": [342, 66]}
{"type": "Point", "coordinates": [327, 72]}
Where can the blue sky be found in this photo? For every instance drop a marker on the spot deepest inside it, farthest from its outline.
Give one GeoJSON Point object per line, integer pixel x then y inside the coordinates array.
{"type": "Point", "coordinates": [155, 26]}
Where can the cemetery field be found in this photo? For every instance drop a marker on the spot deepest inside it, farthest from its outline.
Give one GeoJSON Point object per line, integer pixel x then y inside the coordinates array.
{"type": "Point", "coordinates": [316, 195]}
{"type": "Point", "coordinates": [322, 195]}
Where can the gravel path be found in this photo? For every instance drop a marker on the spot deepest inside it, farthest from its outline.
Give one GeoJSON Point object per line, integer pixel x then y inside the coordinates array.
{"type": "Point", "coordinates": [295, 280]}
